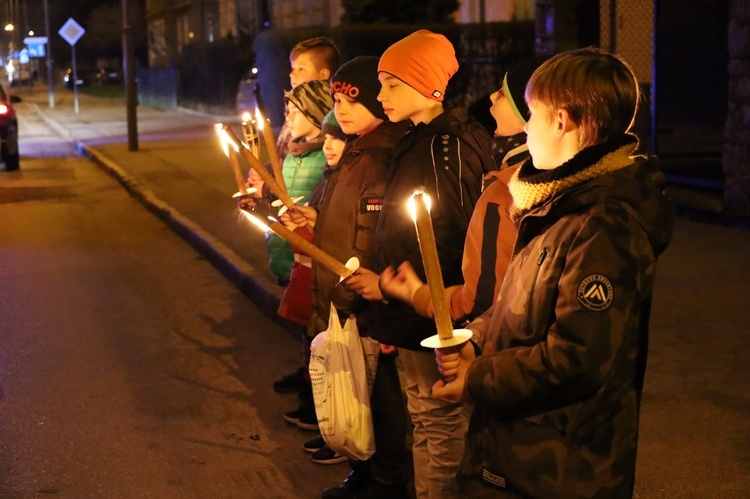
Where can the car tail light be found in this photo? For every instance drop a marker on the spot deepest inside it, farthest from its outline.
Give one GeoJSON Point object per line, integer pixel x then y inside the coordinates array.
{"type": "Point", "coordinates": [3, 109]}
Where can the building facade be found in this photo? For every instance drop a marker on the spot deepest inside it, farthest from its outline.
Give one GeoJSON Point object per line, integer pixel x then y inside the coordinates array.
{"type": "Point", "coordinates": [174, 23]}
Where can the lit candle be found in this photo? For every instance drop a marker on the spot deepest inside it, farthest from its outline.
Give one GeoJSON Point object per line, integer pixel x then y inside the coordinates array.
{"type": "Point", "coordinates": [270, 141]}
{"type": "Point", "coordinates": [231, 152]}
{"type": "Point", "coordinates": [419, 209]}
{"type": "Point", "coordinates": [303, 244]}
{"type": "Point", "coordinates": [447, 337]}
{"type": "Point", "coordinates": [255, 163]}
{"type": "Point", "coordinates": [250, 130]}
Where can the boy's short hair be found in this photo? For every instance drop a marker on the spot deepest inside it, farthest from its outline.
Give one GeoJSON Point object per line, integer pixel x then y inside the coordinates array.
{"type": "Point", "coordinates": [322, 51]}
{"type": "Point", "coordinates": [598, 90]}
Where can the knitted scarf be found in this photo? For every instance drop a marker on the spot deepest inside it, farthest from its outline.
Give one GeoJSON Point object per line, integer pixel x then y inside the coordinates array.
{"type": "Point", "coordinates": [531, 187]}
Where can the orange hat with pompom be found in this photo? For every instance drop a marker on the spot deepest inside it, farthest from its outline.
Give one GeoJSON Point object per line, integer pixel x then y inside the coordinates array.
{"type": "Point", "coordinates": [424, 60]}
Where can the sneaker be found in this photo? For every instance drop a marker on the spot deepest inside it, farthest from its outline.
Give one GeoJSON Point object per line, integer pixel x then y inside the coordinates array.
{"type": "Point", "coordinates": [326, 455]}
{"type": "Point", "coordinates": [303, 418]}
{"type": "Point", "coordinates": [377, 490]}
{"type": "Point", "coordinates": [352, 484]}
{"type": "Point", "coordinates": [294, 382]}
{"type": "Point", "coordinates": [308, 422]}
{"type": "Point", "coordinates": [315, 444]}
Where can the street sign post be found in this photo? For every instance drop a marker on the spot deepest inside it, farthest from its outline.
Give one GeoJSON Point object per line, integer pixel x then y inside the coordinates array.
{"type": "Point", "coordinates": [71, 32]}
{"type": "Point", "coordinates": [36, 44]}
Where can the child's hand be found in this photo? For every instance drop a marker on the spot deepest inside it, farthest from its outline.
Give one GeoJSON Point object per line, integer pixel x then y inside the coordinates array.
{"type": "Point", "coordinates": [246, 202]}
{"type": "Point", "coordinates": [453, 363]}
{"type": "Point", "coordinates": [255, 180]}
{"type": "Point", "coordinates": [401, 284]}
{"type": "Point", "coordinates": [387, 349]}
{"type": "Point", "coordinates": [287, 221]}
{"type": "Point", "coordinates": [365, 283]}
{"type": "Point", "coordinates": [303, 216]}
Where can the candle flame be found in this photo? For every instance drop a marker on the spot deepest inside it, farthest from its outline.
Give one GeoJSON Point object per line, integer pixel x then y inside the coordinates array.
{"type": "Point", "coordinates": [246, 117]}
{"type": "Point", "coordinates": [228, 135]}
{"type": "Point", "coordinates": [259, 119]}
{"type": "Point", "coordinates": [223, 139]}
{"type": "Point", "coordinates": [226, 141]}
{"type": "Point", "coordinates": [412, 206]}
{"type": "Point", "coordinates": [256, 221]}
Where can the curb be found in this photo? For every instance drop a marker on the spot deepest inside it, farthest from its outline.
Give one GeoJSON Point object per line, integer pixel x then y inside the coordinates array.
{"type": "Point", "coordinates": [223, 258]}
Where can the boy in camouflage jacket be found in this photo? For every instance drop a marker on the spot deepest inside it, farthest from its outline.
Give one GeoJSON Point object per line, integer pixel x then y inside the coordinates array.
{"type": "Point", "coordinates": [556, 390]}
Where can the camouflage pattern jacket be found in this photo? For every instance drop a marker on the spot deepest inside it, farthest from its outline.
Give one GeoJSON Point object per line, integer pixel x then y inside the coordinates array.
{"type": "Point", "coordinates": [557, 386]}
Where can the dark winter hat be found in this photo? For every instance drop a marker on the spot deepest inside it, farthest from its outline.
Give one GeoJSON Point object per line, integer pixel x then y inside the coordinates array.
{"type": "Point", "coordinates": [331, 127]}
{"type": "Point", "coordinates": [313, 99]}
{"type": "Point", "coordinates": [424, 60]}
{"type": "Point", "coordinates": [515, 81]}
{"type": "Point", "coordinates": [358, 80]}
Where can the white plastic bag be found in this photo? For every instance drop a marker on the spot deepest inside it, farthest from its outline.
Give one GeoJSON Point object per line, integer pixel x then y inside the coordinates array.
{"type": "Point", "coordinates": [340, 389]}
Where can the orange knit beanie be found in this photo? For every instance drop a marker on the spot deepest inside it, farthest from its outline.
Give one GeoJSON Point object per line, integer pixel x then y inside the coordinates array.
{"type": "Point", "coordinates": [424, 60]}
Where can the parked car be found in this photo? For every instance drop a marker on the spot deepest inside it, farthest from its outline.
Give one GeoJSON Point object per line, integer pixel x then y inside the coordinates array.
{"type": "Point", "coordinates": [9, 156]}
{"type": "Point", "coordinates": [246, 102]}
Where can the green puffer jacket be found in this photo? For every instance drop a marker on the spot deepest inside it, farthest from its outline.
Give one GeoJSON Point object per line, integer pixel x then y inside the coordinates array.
{"type": "Point", "coordinates": [303, 167]}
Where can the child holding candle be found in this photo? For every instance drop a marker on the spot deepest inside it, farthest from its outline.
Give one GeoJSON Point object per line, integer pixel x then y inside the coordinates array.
{"type": "Point", "coordinates": [298, 299]}
{"type": "Point", "coordinates": [491, 233]}
{"type": "Point", "coordinates": [445, 154]}
{"type": "Point", "coordinates": [344, 226]}
{"type": "Point", "coordinates": [556, 391]}
{"type": "Point", "coordinates": [312, 59]}
{"type": "Point", "coordinates": [303, 167]}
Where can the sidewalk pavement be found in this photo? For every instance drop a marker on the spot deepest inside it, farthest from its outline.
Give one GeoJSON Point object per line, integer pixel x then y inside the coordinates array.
{"type": "Point", "coordinates": [696, 403]}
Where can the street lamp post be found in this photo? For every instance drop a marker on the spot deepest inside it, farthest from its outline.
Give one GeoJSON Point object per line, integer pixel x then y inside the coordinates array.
{"type": "Point", "coordinates": [129, 77]}
{"type": "Point", "coordinates": [50, 78]}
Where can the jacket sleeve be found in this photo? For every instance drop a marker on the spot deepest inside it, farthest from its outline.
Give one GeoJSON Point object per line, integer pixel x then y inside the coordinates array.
{"type": "Point", "coordinates": [371, 192]}
{"type": "Point", "coordinates": [593, 329]}
{"type": "Point", "coordinates": [489, 244]}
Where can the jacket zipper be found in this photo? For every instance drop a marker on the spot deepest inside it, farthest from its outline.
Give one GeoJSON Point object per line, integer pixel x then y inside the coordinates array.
{"type": "Point", "coordinates": [539, 262]}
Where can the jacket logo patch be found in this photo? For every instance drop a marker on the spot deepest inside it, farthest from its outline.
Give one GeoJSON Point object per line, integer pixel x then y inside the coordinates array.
{"type": "Point", "coordinates": [370, 205]}
{"type": "Point", "coordinates": [595, 292]}
{"type": "Point", "coordinates": [493, 478]}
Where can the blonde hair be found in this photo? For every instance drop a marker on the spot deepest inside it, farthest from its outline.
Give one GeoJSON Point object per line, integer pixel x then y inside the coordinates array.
{"type": "Point", "coordinates": [598, 90]}
{"type": "Point", "coordinates": [322, 51]}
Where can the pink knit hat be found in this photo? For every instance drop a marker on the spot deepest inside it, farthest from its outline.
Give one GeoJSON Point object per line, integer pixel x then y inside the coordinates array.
{"type": "Point", "coordinates": [424, 60]}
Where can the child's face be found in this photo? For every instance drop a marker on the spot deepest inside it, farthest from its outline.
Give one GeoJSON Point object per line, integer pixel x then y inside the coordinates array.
{"type": "Point", "coordinates": [299, 125]}
{"type": "Point", "coordinates": [401, 101]}
{"type": "Point", "coordinates": [304, 70]}
{"type": "Point", "coordinates": [333, 148]}
{"type": "Point", "coordinates": [540, 137]}
{"type": "Point", "coordinates": [505, 117]}
{"type": "Point", "coordinates": [353, 117]}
